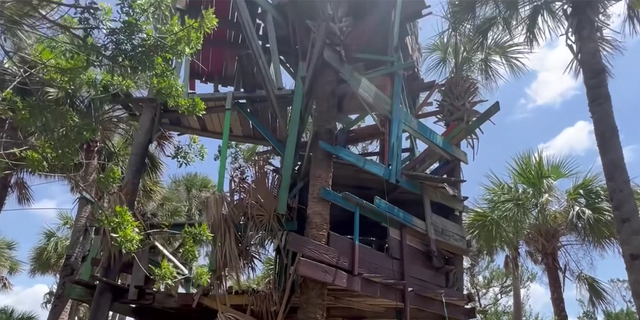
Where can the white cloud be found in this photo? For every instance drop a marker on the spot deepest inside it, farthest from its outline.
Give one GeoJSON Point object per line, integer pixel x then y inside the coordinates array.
{"type": "Point", "coordinates": [538, 296]}
{"type": "Point", "coordinates": [574, 140]}
{"type": "Point", "coordinates": [552, 85]}
{"type": "Point", "coordinates": [27, 299]}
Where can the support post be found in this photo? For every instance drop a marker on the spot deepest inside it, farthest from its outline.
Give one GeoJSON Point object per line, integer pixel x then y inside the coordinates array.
{"type": "Point", "coordinates": [292, 139]}
{"type": "Point", "coordinates": [226, 131]}
{"type": "Point", "coordinates": [356, 240]}
{"type": "Point", "coordinates": [405, 272]}
{"type": "Point", "coordinates": [103, 297]}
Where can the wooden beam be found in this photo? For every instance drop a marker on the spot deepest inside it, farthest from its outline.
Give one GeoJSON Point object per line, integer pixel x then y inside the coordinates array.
{"type": "Point", "coordinates": [326, 274]}
{"type": "Point", "coordinates": [248, 29]}
{"type": "Point", "coordinates": [216, 96]}
{"type": "Point", "coordinates": [214, 135]}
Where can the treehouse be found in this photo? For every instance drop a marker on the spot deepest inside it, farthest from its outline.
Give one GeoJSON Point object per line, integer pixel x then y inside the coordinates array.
{"type": "Point", "coordinates": [396, 242]}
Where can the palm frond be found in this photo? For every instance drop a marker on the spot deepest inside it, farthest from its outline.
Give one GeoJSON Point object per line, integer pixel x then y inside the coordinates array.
{"type": "Point", "coordinates": [11, 313]}
{"type": "Point", "coordinates": [596, 291]}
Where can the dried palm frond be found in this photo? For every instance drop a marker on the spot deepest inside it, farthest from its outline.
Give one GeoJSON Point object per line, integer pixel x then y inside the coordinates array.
{"type": "Point", "coordinates": [458, 98]}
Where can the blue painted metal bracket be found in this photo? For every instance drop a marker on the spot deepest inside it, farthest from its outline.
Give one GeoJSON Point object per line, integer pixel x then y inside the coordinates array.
{"type": "Point", "coordinates": [277, 145]}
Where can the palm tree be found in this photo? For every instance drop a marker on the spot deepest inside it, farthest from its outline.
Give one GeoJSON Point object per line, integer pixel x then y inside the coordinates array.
{"type": "Point", "coordinates": [9, 263]}
{"type": "Point", "coordinates": [584, 24]}
{"type": "Point", "coordinates": [11, 313]}
{"type": "Point", "coordinates": [47, 256]}
{"type": "Point", "coordinates": [547, 211]}
{"type": "Point", "coordinates": [470, 60]}
{"type": "Point", "coordinates": [470, 65]}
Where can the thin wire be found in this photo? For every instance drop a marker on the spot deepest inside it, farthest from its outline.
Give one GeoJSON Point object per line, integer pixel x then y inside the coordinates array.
{"type": "Point", "coordinates": [444, 305]}
{"type": "Point", "coordinates": [35, 209]}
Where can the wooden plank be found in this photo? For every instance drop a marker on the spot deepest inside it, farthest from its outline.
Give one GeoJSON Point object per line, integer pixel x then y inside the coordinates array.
{"type": "Point", "coordinates": [248, 30]}
{"type": "Point", "coordinates": [450, 235]}
{"type": "Point", "coordinates": [355, 304]}
{"type": "Point", "coordinates": [208, 120]}
{"type": "Point", "coordinates": [329, 275]}
{"type": "Point", "coordinates": [428, 220]}
{"type": "Point", "coordinates": [340, 250]}
{"type": "Point", "coordinates": [374, 262]}
{"type": "Point", "coordinates": [236, 126]}
{"type": "Point", "coordinates": [139, 274]}
{"type": "Point", "coordinates": [317, 251]}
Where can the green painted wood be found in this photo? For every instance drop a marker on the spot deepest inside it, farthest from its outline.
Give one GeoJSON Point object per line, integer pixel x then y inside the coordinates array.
{"type": "Point", "coordinates": [86, 269]}
{"type": "Point", "coordinates": [290, 149]}
{"type": "Point", "coordinates": [226, 131]}
{"type": "Point", "coordinates": [374, 57]}
{"type": "Point", "coordinates": [387, 70]}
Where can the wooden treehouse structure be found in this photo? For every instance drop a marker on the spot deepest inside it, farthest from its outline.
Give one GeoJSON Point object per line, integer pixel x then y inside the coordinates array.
{"type": "Point", "coordinates": [396, 241]}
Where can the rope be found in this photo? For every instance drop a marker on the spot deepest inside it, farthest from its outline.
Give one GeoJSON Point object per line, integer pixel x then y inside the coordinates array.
{"type": "Point", "coordinates": [444, 306]}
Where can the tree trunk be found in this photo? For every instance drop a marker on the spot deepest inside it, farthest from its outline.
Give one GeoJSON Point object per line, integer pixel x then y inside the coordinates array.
{"type": "Point", "coordinates": [625, 209]}
{"type": "Point", "coordinates": [75, 249]}
{"type": "Point", "coordinates": [5, 187]}
{"type": "Point", "coordinates": [552, 270]}
{"type": "Point", "coordinates": [66, 311]}
{"type": "Point", "coordinates": [103, 297]}
{"type": "Point", "coordinates": [516, 285]}
{"type": "Point", "coordinates": [313, 294]}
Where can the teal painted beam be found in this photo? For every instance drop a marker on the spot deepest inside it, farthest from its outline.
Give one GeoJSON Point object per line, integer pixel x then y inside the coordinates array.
{"type": "Point", "coordinates": [387, 70]}
{"type": "Point", "coordinates": [264, 131]}
{"type": "Point", "coordinates": [290, 150]}
{"type": "Point", "coordinates": [374, 57]}
{"type": "Point", "coordinates": [394, 150]}
{"type": "Point", "coordinates": [352, 203]}
{"type": "Point", "coordinates": [432, 138]}
{"type": "Point", "coordinates": [359, 161]}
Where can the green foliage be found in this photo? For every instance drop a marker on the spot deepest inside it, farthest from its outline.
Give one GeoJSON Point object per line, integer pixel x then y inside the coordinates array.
{"type": "Point", "coordinates": [11, 313]}
{"type": "Point", "coordinates": [192, 239]}
{"type": "Point", "coordinates": [47, 256]}
{"type": "Point", "coordinates": [87, 59]}
{"type": "Point", "coordinates": [186, 153]}
{"type": "Point", "coordinates": [201, 276]}
{"type": "Point", "coordinates": [164, 275]}
{"type": "Point", "coordinates": [9, 263]}
{"type": "Point", "coordinates": [125, 230]}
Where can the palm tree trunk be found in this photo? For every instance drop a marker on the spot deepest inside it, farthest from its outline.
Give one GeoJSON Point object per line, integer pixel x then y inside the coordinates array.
{"type": "Point", "coordinates": [625, 209]}
{"type": "Point", "coordinates": [313, 294]}
{"type": "Point", "coordinates": [74, 309]}
{"type": "Point", "coordinates": [5, 186]}
{"type": "Point", "coordinates": [516, 285]}
{"type": "Point", "coordinates": [552, 270]}
{"type": "Point", "coordinates": [76, 247]}
{"type": "Point", "coordinates": [66, 311]}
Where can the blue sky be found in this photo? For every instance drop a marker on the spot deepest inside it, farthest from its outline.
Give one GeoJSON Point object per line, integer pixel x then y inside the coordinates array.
{"type": "Point", "coordinates": [545, 108]}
